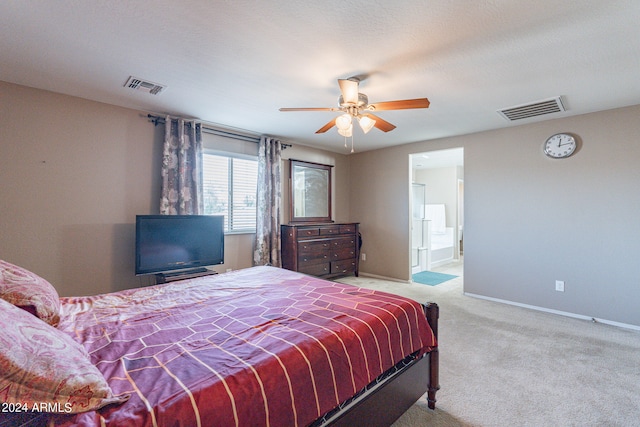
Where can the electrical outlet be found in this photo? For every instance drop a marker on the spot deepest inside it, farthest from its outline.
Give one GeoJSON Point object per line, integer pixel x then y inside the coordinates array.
{"type": "Point", "coordinates": [363, 256]}
{"type": "Point", "coordinates": [560, 285]}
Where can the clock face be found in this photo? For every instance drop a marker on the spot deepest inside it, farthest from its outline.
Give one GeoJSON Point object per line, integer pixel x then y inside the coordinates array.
{"type": "Point", "coordinates": [560, 145]}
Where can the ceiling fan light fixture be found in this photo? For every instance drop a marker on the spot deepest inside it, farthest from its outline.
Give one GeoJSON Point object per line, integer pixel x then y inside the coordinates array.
{"type": "Point", "coordinates": [343, 122]}
{"type": "Point", "coordinates": [349, 90]}
{"type": "Point", "coordinates": [366, 123]}
{"type": "Point", "coordinates": [346, 132]}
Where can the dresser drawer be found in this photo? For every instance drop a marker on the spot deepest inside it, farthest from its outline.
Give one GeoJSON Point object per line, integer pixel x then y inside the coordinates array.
{"type": "Point", "coordinates": [313, 258]}
{"type": "Point", "coordinates": [307, 247]}
{"type": "Point", "coordinates": [330, 230]}
{"type": "Point", "coordinates": [344, 253]}
{"type": "Point", "coordinates": [316, 269]}
{"type": "Point", "coordinates": [307, 232]}
{"type": "Point", "coordinates": [343, 267]}
{"type": "Point", "coordinates": [343, 242]}
{"type": "Point", "coordinates": [347, 229]}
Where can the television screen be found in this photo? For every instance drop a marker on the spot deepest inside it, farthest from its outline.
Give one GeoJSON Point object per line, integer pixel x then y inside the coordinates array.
{"type": "Point", "coordinates": [176, 242]}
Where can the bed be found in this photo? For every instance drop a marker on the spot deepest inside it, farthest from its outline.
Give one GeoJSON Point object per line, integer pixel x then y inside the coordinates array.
{"type": "Point", "coordinates": [256, 347]}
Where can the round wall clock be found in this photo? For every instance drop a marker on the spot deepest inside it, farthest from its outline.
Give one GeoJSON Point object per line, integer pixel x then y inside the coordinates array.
{"type": "Point", "coordinates": [560, 145]}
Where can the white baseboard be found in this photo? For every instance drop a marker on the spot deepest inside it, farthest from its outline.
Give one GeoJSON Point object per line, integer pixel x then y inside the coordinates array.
{"type": "Point", "coordinates": [561, 313]}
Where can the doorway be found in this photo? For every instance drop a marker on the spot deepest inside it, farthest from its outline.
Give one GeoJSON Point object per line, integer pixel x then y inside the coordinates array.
{"type": "Point", "coordinates": [437, 207]}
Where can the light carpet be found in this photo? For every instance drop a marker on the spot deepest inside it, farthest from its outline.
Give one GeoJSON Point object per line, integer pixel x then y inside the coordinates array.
{"type": "Point", "coordinates": [502, 365]}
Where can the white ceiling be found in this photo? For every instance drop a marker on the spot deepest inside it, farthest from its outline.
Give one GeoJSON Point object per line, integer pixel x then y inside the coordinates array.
{"type": "Point", "coordinates": [235, 62]}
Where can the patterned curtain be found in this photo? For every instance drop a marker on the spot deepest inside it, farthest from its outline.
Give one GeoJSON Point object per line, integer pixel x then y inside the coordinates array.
{"type": "Point", "coordinates": [181, 168]}
{"type": "Point", "coordinates": [267, 249]}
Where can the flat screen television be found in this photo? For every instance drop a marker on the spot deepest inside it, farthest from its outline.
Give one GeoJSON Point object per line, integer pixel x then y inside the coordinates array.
{"type": "Point", "coordinates": [166, 243]}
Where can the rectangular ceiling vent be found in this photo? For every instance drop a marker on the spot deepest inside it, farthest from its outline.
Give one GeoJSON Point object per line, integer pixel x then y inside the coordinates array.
{"type": "Point", "coordinates": [526, 111]}
{"type": "Point", "coordinates": [144, 85]}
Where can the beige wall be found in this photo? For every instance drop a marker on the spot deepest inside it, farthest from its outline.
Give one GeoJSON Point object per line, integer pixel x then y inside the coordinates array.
{"type": "Point", "coordinates": [529, 220]}
{"type": "Point", "coordinates": [380, 193]}
{"type": "Point", "coordinates": [74, 175]}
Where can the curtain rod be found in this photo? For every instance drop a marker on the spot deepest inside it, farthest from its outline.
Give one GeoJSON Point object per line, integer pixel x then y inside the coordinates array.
{"type": "Point", "coordinates": [157, 120]}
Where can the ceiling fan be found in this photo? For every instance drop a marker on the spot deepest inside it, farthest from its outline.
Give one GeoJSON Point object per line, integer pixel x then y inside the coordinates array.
{"type": "Point", "coordinates": [355, 105]}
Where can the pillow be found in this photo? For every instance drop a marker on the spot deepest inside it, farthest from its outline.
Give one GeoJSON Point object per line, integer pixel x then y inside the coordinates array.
{"type": "Point", "coordinates": [43, 369]}
{"type": "Point", "coordinates": [30, 292]}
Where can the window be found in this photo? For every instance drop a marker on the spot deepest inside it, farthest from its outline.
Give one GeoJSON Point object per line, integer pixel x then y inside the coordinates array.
{"type": "Point", "coordinates": [229, 187]}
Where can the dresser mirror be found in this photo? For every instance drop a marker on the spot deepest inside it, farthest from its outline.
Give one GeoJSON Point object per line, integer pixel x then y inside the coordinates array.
{"type": "Point", "coordinates": [310, 192]}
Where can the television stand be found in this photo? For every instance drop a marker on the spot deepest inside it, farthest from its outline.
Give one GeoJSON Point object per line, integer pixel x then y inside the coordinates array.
{"type": "Point", "coordinates": [183, 274]}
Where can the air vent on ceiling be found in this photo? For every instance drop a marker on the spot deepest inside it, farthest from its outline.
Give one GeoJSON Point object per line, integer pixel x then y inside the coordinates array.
{"type": "Point", "coordinates": [144, 85]}
{"type": "Point", "coordinates": [539, 108]}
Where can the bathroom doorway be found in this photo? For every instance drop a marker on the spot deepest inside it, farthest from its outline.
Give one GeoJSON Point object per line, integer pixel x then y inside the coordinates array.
{"type": "Point", "coordinates": [437, 207]}
{"type": "Point", "coordinates": [418, 231]}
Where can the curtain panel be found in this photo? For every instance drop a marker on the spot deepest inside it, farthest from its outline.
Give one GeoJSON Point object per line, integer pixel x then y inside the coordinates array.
{"type": "Point", "coordinates": [267, 248]}
{"type": "Point", "coordinates": [182, 168]}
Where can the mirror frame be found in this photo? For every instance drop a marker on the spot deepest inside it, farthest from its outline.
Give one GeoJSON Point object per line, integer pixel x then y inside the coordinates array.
{"type": "Point", "coordinates": [292, 194]}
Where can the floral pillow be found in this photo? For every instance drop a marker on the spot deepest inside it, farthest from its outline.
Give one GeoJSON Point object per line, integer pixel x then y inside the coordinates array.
{"type": "Point", "coordinates": [43, 368]}
{"type": "Point", "coordinates": [30, 292]}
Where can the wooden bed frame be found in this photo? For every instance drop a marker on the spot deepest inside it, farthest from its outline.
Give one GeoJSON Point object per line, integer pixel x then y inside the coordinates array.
{"type": "Point", "coordinates": [399, 393]}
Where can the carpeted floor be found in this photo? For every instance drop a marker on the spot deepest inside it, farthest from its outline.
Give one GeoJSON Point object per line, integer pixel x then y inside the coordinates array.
{"type": "Point", "coordinates": [502, 365]}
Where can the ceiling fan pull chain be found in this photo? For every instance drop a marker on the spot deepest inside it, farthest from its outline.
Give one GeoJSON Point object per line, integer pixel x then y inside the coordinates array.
{"type": "Point", "coordinates": [352, 143]}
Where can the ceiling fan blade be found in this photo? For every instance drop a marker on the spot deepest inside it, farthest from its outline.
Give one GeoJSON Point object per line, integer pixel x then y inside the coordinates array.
{"type": "Point", "coordinates": [349, 89]}
{"type": "Point", "coordinates": [326, 127]}
{"type": "Point", "coordinates": [401, 105]}
{"type": "Point", "coordinates": [309, 109]}
{"type": "Point", "coordinates": [381, 124]}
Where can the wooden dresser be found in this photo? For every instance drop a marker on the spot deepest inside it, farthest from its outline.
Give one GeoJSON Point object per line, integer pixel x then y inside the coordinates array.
{"type": "Point", "coordinates": [323, 250]}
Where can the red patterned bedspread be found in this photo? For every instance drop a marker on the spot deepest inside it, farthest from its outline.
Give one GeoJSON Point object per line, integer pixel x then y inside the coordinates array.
{"type": "Point", "coordinates": [256, 347]}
